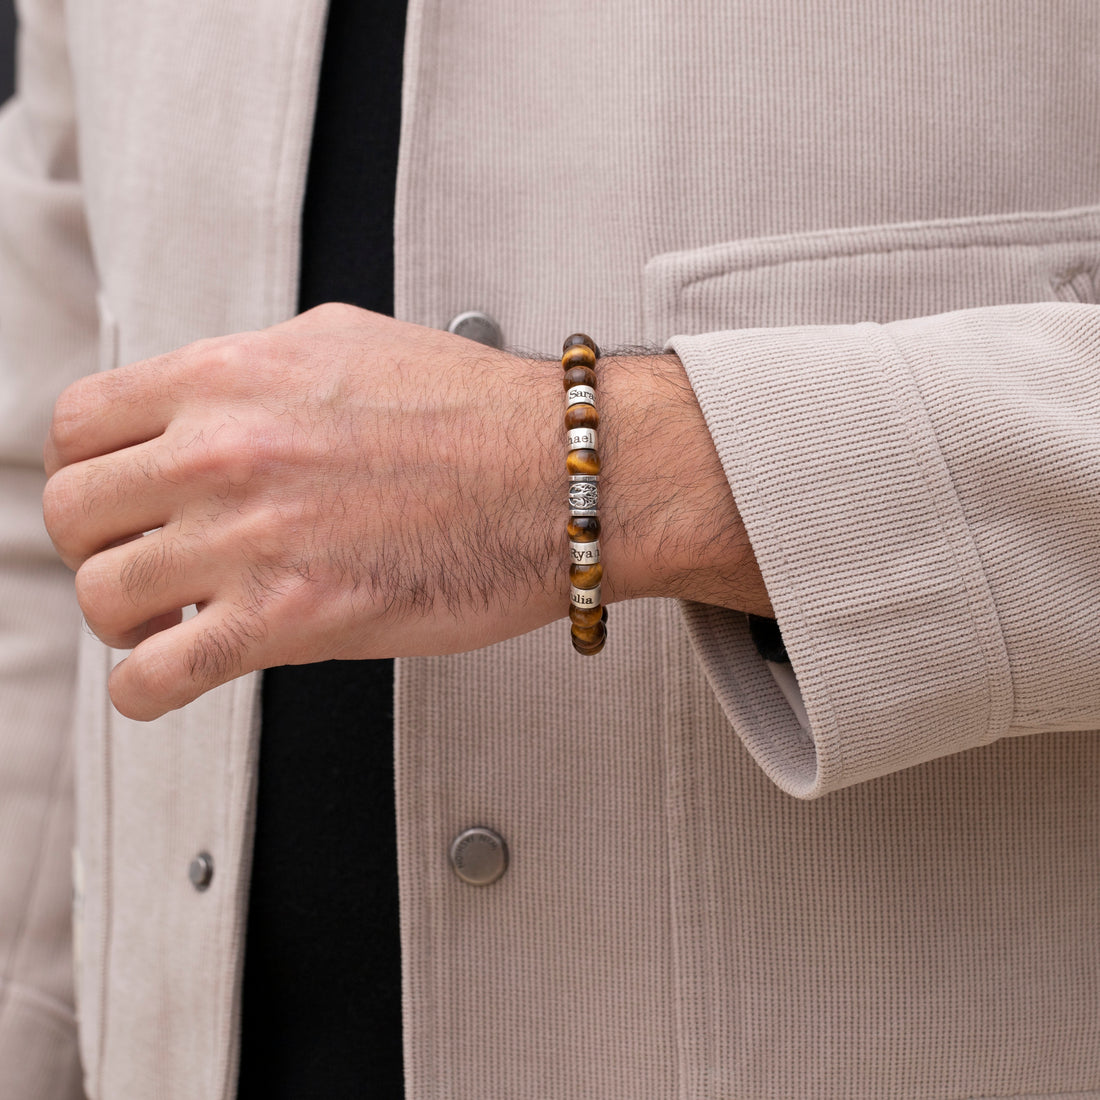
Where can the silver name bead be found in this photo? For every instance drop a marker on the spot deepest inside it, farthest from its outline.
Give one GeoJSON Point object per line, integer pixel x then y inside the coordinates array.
{"type": "Point", "coordinates": [580, 395]}
{"type": "Point", "coordinates": [582, 439]}
{"type": "Point", "coordinates": [584, 553]}
{"type": "Point", "coordinates": [585, 597]}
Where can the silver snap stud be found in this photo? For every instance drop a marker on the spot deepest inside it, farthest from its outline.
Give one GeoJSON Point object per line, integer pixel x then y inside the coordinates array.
{"type": "Point", "coordinates": [479, 856]}
{"type": "Point", "coordinates": [201, 871]}
{"type": "Point", "coordinates": [479, 327]}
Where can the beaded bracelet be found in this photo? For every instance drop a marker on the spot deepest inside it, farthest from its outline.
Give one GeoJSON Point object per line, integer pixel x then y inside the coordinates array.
{"type": "Point", "coordinates": [586, 613]}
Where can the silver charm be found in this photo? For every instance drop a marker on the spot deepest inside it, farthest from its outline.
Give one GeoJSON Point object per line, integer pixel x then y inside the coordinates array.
{"type": "Point", "coordinates": [584, 495]}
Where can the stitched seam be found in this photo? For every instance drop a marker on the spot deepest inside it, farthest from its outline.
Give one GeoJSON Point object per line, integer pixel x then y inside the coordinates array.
{"type": "Point", "coordinates": [927, 476]}
{"type": "Point", "coordinates": [855, 253]}
{"type": "Point", "coordinates": [1044, 717]}
{"type": "Point", "coordinates": [831, 723]}
{"type": "Point", "coordinates": [672, 781]}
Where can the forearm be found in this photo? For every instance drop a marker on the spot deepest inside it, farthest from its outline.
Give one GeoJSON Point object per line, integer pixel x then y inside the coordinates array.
{"type": "Point", "coordinates": [671, 525]}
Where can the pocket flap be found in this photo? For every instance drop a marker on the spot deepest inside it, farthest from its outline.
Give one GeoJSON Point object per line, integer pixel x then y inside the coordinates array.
{"type": "Point", "coordinates": [879, 273]}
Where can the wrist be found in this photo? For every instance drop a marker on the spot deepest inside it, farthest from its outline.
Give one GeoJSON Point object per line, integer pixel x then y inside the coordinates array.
{"type": "Point", "coordinates": [671, 526]}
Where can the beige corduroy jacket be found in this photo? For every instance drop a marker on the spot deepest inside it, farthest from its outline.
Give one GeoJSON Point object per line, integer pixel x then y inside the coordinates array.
{"type": "Point", "coordinates": [877, 877]}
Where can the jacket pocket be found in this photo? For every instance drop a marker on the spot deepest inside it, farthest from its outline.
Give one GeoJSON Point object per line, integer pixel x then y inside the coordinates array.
{"type": "Point", "coordinates": [878, 273]}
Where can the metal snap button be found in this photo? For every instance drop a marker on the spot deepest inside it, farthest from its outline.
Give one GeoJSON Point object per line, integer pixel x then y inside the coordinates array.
{"type": "Point", "coordinates": [479, 856]}
{"type": "Point", "coordinates": [479, 327]}
{"type": "Point", "coordinates": [201, 871]}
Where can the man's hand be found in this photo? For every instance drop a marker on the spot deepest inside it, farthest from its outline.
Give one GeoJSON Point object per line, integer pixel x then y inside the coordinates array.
{"type": "Point", "coordinates": [349, 486]}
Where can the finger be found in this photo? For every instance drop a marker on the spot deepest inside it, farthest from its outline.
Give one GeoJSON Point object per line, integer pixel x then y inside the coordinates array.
{"type": "Point", "coordinates": [174, 667]}
{"type": "Point", "coordinates": [138, 634]}
{"type": "Point", "coordinates": [97, 503]}
{"type": "Point", "coordinates": [134, 403]}
{"type": "Point", "coordinates": [132, 591]}
{"type": "Point", "coordinates": [108, 411]}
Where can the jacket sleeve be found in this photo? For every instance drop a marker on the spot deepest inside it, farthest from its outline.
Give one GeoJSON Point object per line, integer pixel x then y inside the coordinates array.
{"type": "Point", "coordinates": [48, 336]}
{"type": "Point", "coordinates": [923, 498]}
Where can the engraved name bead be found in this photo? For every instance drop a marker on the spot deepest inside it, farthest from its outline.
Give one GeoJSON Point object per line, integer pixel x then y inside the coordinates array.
{"type": "Point", "coordinates": [580, 395]}
{"type": "Point", "coordinates": [582, 439]}
{"type": "Point", "coordinates": [585, 597]}
{"type": "Point", "coordinates": [584, 553]}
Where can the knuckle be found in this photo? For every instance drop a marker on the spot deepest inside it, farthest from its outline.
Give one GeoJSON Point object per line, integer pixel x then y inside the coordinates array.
{"type": "Point", "coordinates": [223, 460]}
{"type": "Point", "coordinates": [335, 313]}
{"type": "Point", "coordinates": [70, 417]}
{"type": "Point", "coordinates": [214, 359]}
{"type": "Point", "coordinates": [147, 572]}
{"type": "Point", "coordinates": [61, 511]}
{"type": "Point", "coordinates": [99, 598]}
{"type": "Point", "coordinates": [153, 676]}
{"type": "Point", "coordinates": [217, 655]}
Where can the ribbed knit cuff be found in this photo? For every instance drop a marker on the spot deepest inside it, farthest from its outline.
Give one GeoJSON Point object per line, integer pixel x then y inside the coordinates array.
{"type": "Point", "coordinates": [876, 583]}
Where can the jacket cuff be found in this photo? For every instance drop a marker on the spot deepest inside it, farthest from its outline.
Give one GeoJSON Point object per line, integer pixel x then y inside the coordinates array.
{"type": "Point", "coordinates": [876, 583]}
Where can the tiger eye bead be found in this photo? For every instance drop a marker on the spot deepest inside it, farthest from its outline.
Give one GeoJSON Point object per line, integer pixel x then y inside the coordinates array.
{"type": "Point", "coordinates": [579, 376]}
{"type": "Point", "coordinates": [591, 633]}
{"type": "Point", "coordinates": [582, 461]}
{"type": "Point", "coordinates": [586, 576]}
{"type": "Point", "coordinates": [579, 339]}
{"type": "Point", "coordinates": [579, 356]}
{"type": "Point", "coordinates": [582, 416]}
{"type": "Point", "coordinates": [583, 528]}
{"type": "Point", "coordinates": [587, 616]}
{"type": "Point", "coordinates": [589, 646]}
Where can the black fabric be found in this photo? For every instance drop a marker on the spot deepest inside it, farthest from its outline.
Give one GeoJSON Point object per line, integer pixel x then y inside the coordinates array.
{"type": "Point", "coordinates": [7, 49]}
{"type": "Point", "coordinates": [322, 983]}
{"type": "Point", "coordinates": [768, 639]}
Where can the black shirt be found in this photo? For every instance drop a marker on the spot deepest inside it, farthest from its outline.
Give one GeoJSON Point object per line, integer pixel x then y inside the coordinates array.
{"type": "Point", "coordinates": [322, 983]}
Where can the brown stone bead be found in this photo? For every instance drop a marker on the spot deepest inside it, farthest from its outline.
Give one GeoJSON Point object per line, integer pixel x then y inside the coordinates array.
{"type": "Point", "coordinates": [586, 576]}
{"type": "Point", "coordinates": [591, 633]}
{"type": "Point", "coordinates": [586, 646]}
{"type": "Point", "coordinates": [579, 376]}
{"type": "Point", "coordinates": [582, 461]}
{"type": "Point", "coordinates": [583, 528]}
{"type": "Point", "coordinates": [586, 616]}
{"type": "Point", "coordinates": [582, 416]}
{"type": "Point", "coordinates": [579, 339]}
{"type": "Point", "coordinates": [579, 356]}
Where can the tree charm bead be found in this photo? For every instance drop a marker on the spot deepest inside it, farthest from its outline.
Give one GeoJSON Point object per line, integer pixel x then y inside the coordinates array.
{"type": "Point", "coordinates": [584, 496]}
